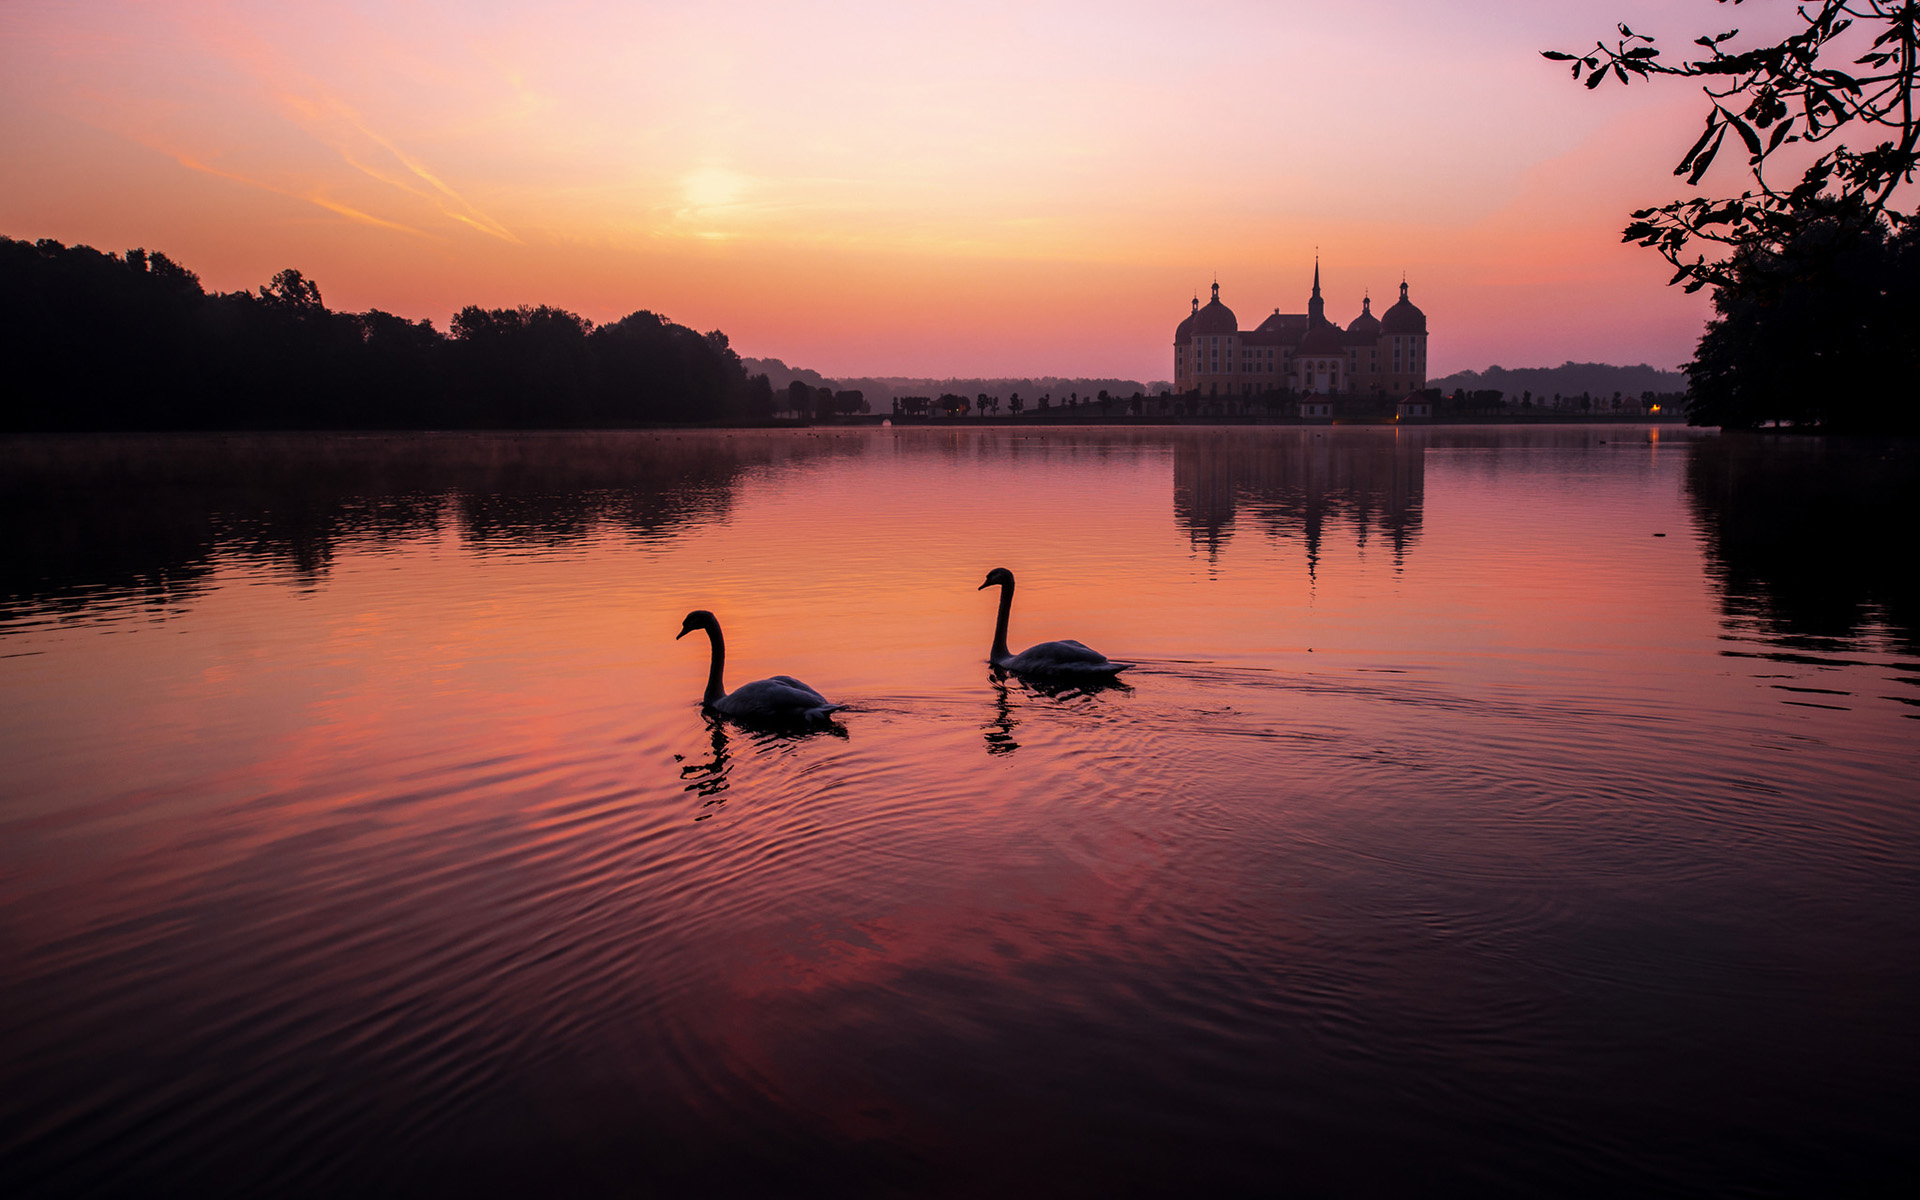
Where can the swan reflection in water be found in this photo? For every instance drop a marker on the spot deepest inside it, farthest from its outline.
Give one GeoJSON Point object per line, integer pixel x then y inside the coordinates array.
{"type": "Point", "coordinates": [998, 731]}
{"type": "Point", "coordinates": [708, 779]}
{"type": "Point", "coordinates": [711, 777]}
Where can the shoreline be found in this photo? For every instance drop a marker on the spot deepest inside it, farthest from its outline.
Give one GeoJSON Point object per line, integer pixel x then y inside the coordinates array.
{"type": "Point", "coordinates": [883, 420]}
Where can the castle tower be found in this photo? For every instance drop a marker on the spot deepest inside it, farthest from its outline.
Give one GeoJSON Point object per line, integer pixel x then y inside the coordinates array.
{"type": "Point", "coordinates": [1403, 345]}
{"type": "Point", "coordinates": [1204, 348]}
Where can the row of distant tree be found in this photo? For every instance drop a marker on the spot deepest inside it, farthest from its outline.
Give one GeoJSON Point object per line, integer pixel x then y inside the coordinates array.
{"type": "Point", "coordinates": [1460, 402]}
{"type": "Point", "coordinates": [821, 403]}
{"type": "Point", "coordinates": [986, 404]}
{"type": "Point", "coordinates": [881, 390]}
{"type": "Point", "coordinates": [1620, 403]}
{"type": "Point", "coordinates": [94, 340]}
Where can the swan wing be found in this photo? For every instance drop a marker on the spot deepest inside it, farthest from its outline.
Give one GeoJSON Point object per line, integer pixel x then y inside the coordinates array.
{"type": "Point", "coordinates": [1066, 657]}
{"type": "Point", "coordinates": [781, 698]}
{"type": "Point", "coordinates": [791, 682]}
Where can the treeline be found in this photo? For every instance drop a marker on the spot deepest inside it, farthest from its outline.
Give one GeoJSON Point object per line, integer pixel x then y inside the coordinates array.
{"type": "Point", "coordinates": [132, 341]}
{"type": "Point", "coordinates": [1568, 379]}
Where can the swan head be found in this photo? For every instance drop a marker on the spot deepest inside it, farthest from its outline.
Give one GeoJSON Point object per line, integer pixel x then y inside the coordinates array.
{"type": "Point", "coordinates": [998, 577]}
{"type": "Point", "coordinates": [699, 618]}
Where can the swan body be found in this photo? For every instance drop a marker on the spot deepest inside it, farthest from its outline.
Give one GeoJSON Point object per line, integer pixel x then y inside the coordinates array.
{"type": "Point", "coordinates": [1066, 659]}
{"type": "Point", "coordinates": [781, 698]}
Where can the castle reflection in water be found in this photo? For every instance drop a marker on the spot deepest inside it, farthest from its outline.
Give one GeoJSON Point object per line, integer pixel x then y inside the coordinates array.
{"type": "Point", "coordinates": [1368, 483]}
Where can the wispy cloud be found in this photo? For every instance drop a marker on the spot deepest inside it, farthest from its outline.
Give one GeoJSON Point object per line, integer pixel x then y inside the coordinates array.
{"type": "Point", "coordinates": [311, 197]}
{"type": "Point", "coordinates": [338, 127]}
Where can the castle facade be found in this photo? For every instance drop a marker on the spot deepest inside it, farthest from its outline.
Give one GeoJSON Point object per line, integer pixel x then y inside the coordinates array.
{"type": "Point", "coordinates": [1383, 356]}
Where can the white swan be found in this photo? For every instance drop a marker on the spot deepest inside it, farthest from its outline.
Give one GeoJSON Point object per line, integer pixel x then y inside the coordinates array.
{"type": "Point", "coordinates": [1061, 660]}
{"type": "Point", "coordinates": [781, 698]}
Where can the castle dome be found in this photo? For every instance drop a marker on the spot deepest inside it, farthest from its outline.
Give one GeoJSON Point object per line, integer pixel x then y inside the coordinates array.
{"type": "Point", "coordinates": [1366, 326]}
{"type": "Point", "coordinates": [1403, 317]}
{"type": "Point", "coordinates": [1215, 318]}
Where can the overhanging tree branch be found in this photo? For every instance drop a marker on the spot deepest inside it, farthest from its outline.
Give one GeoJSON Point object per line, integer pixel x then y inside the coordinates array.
{"type": "Point", "coordinates": [1772, 97]}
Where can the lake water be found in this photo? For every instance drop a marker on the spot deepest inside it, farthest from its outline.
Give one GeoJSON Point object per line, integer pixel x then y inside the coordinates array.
{"type": "Point", "coordinates": [1509, 810]}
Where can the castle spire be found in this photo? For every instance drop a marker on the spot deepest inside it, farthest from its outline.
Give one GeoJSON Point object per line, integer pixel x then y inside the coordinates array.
{"type": "Point", "coordinates": [1316, 307]}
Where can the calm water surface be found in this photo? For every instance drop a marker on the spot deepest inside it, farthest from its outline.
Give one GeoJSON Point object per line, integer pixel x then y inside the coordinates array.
{"type": "Point", "coordinates": [1511, 810]}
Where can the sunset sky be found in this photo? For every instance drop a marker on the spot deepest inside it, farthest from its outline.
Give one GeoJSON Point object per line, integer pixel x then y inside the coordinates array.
{"type": "Point", "coordinates": [866, 188]}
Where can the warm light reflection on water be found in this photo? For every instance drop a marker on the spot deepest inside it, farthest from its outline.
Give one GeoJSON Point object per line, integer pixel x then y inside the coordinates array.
{"type": "Point", "coordinates": [1504, 809]}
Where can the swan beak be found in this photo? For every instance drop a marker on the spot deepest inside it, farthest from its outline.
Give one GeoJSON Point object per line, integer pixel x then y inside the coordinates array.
{"type": "Point", "coordinates": [683, 632]}
{"type": "Point", "coordinates": [983, 587]}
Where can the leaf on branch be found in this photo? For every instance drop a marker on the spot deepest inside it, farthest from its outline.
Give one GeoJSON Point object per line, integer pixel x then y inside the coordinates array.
{"type": "Point", "coordinates": [1712, 124]}
{"type": "Point", "coordinates": [1705, 159]}
{"type": "Point", "coordinates": [1557, 56]}
{"type": "Point", "coordinates": [1746, 133]}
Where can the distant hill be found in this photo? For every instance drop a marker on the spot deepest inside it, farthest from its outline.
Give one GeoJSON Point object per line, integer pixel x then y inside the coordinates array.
{"type": "Point", "coordinates": [879, 391]}
{"type": "Point", "coordinates": [1567, 379]}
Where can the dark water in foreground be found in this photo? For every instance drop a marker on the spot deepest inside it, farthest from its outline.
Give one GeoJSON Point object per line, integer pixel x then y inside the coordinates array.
{"type": "Point", "coordinates": [1521, 811]}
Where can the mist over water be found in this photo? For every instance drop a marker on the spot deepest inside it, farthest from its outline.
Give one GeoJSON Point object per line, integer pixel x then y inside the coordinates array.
{"type": "Point", "coordinates": [1517, 810]}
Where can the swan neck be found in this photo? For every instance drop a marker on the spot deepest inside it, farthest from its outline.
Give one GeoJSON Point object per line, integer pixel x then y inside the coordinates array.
{"type": "Point", "coordinates": [1000, 626]}
{"type": "Point", "coordinates": [715, 689]}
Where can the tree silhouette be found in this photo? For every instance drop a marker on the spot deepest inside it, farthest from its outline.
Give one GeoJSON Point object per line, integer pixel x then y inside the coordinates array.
{"type": "Point", "coordinates": [1833, 347]}
{"type": "Point", "coordinates": [1798, 91]}
{"type": "Point", "coordinates": [291, 292]}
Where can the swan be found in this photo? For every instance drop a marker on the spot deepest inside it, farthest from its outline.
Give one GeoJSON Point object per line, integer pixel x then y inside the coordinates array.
{"type": "Point", "coordinates": [781, 698]}
{"type": "Point", "coordinates": [1061, 660]}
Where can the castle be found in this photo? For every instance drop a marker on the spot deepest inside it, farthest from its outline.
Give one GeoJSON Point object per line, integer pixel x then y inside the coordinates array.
{"type": "Point", "coordinates": [1303, 353]}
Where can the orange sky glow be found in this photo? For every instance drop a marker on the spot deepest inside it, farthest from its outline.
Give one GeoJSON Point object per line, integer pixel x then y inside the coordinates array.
{"type": "Point", "coordinates": [900, 188]}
